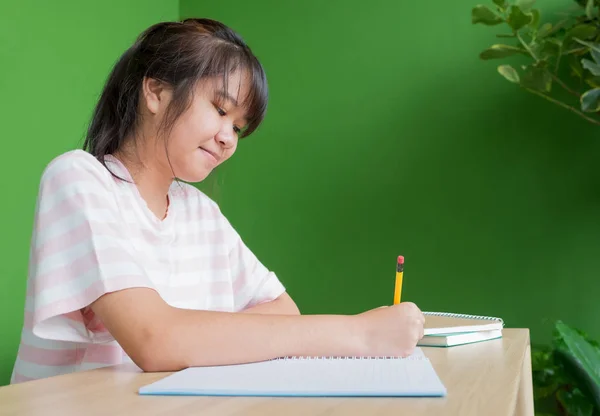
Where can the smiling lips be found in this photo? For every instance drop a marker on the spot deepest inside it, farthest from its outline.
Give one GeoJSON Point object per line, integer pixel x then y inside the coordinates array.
{"type": "Point", "coordinates": [212, 155]}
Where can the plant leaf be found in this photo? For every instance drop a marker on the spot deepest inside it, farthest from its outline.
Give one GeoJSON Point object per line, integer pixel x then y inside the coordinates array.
{"type": "Point", "coordinates": [541, 392]}
{"type": "Point", "coordinates": [583, 32]}
{"type": "Point", "coordinates": [509, 73]}
{"type": "Point", "coordinates": [500, 51]}
{"type": "Point", "coordinates": [592, 81]}
{"type": "Point", "coordinates": [575, 403]}
{"type": "Point", "coordinates": [593, 67]}
{"type": "Point", "coordinates": [517, 19]}
{"type": "Point", "coordinates": [548, 48]}
{"type": "Point", "coordinates": [575, 65]}
{"type": "Point", "coordinates": [559, 26]}
{"type": "Point", "coordinates": [535, 18]}
{"type": "Point", "coordinates": [544, 30]}
{"type": "Point", "coordinates": [541, 358]}
{"type": "Point", "coordinates": [580, 357]}
{"type": "Point", "coordinates": [500, 3]}
{"type": "Point", "coordinates": [575, 51]}
{"type": "Point", "coordinates": [525, 5]}
{"type": "Point", "coordinates": [589, 9]}
{"type": "Point", "coordinates": [482, 14]}
{"type": "Point", "coordinates": [537, 79]}
{"type": "Point", "coordinates": [594, 49]}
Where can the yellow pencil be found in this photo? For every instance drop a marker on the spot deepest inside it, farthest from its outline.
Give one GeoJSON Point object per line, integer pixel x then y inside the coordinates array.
{"type": "Point", "coordinates": [399, 273]}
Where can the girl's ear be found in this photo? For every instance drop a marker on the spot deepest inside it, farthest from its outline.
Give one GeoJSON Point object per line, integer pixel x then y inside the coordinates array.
{"type": "Point", "coordinates": [155, 95]}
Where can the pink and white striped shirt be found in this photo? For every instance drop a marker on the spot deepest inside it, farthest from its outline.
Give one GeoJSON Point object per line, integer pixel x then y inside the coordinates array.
{"type": "Point", "coordinates": [94, 234]}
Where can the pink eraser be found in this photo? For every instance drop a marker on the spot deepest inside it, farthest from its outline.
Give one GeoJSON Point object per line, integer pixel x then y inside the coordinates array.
{"type": "Point", "coordinates": [400, 259]}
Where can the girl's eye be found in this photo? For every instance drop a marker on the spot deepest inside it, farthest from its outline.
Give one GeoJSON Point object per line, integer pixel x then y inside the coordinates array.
{"type": "Point", "coordinates": [223, 113]}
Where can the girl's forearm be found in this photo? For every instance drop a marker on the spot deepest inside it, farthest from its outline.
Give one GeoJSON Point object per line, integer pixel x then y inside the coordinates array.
{"type": "Point", "coordinates": [200, 338]}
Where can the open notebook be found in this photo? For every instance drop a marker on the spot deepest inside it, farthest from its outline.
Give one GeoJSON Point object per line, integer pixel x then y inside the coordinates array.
{"type": "Point", "coordinates": [449, 329]}
{"type": "Point", "coordinates": [307, 376]}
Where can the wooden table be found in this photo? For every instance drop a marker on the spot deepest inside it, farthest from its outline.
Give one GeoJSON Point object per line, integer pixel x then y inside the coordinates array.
{"type": "Point", "coordinates": [489, 378]}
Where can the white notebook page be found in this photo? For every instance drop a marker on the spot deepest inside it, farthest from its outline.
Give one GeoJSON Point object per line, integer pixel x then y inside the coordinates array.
{"type": "Point", "coordinates": [324, 376]}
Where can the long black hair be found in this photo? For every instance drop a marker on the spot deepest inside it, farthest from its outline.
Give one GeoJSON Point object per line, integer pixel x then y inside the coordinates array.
{"type": "Point", "coordinates": [179, 54]}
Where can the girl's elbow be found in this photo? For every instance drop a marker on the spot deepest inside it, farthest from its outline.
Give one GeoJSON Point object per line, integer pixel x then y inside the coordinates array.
{"type": "Point", "coordinates": [156, 360]}
{"type": "Point", "coordinates": [155, 354]}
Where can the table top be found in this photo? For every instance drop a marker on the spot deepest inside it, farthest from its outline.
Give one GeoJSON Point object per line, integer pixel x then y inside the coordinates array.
{"type": "Point", "coordinates": [481, 379]}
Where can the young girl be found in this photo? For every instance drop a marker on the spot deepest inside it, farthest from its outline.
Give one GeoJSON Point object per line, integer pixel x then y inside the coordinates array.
{"type": "Point", "coordinates": [128, 262]}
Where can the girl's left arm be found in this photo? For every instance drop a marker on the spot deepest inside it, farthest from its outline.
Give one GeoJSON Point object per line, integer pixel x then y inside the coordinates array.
{"type": "Point", "coordinates": [283, 305]}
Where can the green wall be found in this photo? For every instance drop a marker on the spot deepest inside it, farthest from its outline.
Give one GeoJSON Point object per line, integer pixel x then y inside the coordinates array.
{"type": "Point", "coordinates": [54, 58]}
{"type": "Point", "coordinates": [387, 135]}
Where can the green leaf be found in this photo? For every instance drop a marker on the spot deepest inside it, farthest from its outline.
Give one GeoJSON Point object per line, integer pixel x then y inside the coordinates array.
{"type": "Point", "coordinates": [594, 49]}
{"type": "Point", "coordinates": [575, 403]}
{"type": "Point", "coordinates": [561, 24]}
{"type": "Point", "coordinates": [500, 3]}
{"type": "Point", "coordinates": [541, 392]}
{"type": "Point", "coordinates": [525, 5]}
{"type": "Point", "coordinates": [575, 51]}
{"type": "Point", "coordinates": [549, 48]}
{"type": "Point", "coordinates": [544, 30]}
{"type": "Point", "coordinates": [500, 51]}
{"type": "Point", "coordinates": [589, 9]}
{"type": "Point", "coordinates": [592, 81]}
{"type": "Point", "coordinates": [535, 18]}
{"type": "Point", "coordinates": [509, 73]}
{"type": "Point", "coordinates": [575, 65]}
{"type": "Point", "coordinates": [583, 31]}
{"type": "Point", "coordinates": [517, 19]}
{"type": "Point", "coordinates": [581, 358]}
{"type": "Point", "coordinates": [537, 79]}
{"type": "Point", "coordinates": [593, 67]}
{"type": "Point", "coordinates": [482, 14]}
{"type": "Point", "coordinates": [541, 358]}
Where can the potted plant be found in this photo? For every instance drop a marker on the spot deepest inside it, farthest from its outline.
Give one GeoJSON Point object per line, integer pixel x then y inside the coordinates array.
{"type": "Point", "coordinates": [561, 55]}
{"type": "Point", "coordinates": [566, 374]}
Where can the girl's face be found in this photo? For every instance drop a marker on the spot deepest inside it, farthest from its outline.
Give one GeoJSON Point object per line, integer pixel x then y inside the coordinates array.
{"type": "Point", "coordinates": [206, 134]}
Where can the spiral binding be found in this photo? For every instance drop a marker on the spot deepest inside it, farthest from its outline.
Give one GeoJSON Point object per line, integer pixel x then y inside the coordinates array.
{"type": "Point", "coordinates": [464, 316]}
{"type": "Point", "coordinates": [342, 358]}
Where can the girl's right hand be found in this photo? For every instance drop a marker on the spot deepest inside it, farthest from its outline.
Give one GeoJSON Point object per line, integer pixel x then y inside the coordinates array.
{"type": "Point", "coordinates": [390, 330]}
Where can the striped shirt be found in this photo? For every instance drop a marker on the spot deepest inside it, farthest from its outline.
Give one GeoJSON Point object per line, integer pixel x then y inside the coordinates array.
{"type": "Point", "coordinates": [94, 234]}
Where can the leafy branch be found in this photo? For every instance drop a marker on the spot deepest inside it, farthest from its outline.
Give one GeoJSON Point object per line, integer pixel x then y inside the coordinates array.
{"type": "Point", "coordinates": [567, 372]}
{"type": "Point", "coordinates": [560, 53]}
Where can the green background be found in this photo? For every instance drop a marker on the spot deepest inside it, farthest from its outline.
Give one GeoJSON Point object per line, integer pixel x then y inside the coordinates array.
{"type": "Point", "coordinates": [385, 135]}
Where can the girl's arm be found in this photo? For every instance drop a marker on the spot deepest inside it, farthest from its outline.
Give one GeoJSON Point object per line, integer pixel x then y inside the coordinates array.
{"type": "Point", "coordinates": [283, 305]}
{"type": "Point", "coordinates": [159, 337]}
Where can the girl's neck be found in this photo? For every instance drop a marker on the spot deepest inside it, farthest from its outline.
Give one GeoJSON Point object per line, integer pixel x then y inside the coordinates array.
{"type": "Point", "coordinates": [153, 185]}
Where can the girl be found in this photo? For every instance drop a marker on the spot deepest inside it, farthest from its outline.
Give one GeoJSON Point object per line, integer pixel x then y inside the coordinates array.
{"type": "Point", "coordinates": [129, 262]}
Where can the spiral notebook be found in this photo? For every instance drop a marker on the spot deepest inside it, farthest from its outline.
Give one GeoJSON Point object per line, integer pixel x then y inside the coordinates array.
{"type": "Point", "coordinates": [450, 329]}
{"type": "Point", "coordinates": [448, 323]}
{"type": "Point", "coordinates": [307, 376]}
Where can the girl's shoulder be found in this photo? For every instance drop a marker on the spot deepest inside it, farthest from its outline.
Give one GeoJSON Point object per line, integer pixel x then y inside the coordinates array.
{"type": "Point", "coordinates": [76, 165]}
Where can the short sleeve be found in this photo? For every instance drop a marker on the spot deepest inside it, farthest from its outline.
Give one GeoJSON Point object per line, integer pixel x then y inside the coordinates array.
{"type": "Point", "coordinates": [253, 283]}
{"type": "Point", "coordinates": [79, 250]}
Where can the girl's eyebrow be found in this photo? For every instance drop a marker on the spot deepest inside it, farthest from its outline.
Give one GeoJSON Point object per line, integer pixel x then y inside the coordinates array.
{"type": "Point", "coordinates": [228, 97]}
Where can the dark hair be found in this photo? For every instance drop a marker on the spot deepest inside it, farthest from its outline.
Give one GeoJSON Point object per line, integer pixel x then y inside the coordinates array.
{"type": "Point", "coordinates": [179, 54]}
